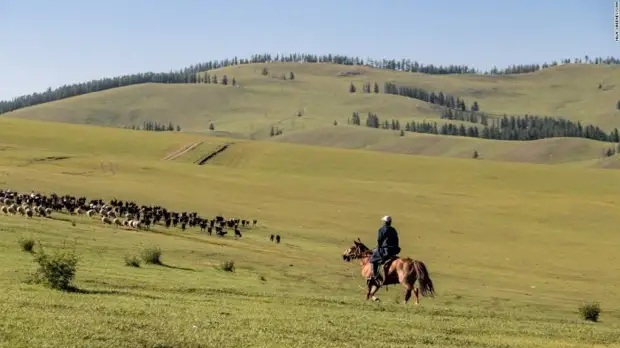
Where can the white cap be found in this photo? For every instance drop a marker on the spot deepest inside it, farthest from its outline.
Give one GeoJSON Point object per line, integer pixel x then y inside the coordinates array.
{"type": "Point", "coordinates": [386, 218]}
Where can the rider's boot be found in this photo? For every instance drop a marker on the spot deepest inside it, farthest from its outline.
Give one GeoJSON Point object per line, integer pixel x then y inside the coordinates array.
{"type": "Point", "coordinates": [376, 275]}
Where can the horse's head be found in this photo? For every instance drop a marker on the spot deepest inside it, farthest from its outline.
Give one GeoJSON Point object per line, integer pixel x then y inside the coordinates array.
{"type": "Point", "coordinates": [356, 251]}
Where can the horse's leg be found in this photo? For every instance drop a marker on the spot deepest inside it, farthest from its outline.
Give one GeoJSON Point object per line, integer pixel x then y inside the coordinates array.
{"type": "Point", "coordinates": [374, 289]}
{"type": "Point", "coordinates": [407, 295]}
{"type": "Point", "coordinates": [369, 289]}
{"type": "Point", "coordinates": [416, 293]}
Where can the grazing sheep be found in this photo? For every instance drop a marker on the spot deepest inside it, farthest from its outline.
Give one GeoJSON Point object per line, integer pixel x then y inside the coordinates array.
{"type": "Point", "coordinates": [136, 224]}
{"type": "Point", "coordinates": [137, 216]}
{"type": "Point", "coordinates": [271, 237]}
{"type": "Point", "coordinates": [277, 239]}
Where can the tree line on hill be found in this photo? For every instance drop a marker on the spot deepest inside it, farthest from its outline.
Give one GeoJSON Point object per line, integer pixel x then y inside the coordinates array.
{"type": "Point", "coordinates": [455, 108]}
{"type": "Point", "coordinates": [440, 98]}
{"type": "Point", "coordinates": [506, 128]}
{"type": "Point", "coordinates": [366, 88]}
{"type": "Point", "coordinates": [154, 126]}
{"type": "Point", "coordinates": [275, 131]}
{"type": "Point", "coordinates": [190, 73]}
{"type": "Point", "coordinates": [291, 75]}
{"type": "Point", "coordinates": [206, 78]}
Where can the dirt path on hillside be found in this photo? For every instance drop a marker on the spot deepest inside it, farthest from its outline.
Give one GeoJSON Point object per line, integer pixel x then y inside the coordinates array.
{"type": "Point", "coordinates": [182, 151]}
{"type": "Point", "coordinates": [204, 159]}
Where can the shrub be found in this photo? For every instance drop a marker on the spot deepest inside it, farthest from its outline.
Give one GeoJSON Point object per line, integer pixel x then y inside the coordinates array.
{"type": "Point", "coordinates": [227, 266]}
{"type": "Point", "coordinates": [590, 311]}
{"type": "Point", "coordinates": [132, 261]}
{"type": "Point", "coordinates": [27, 244]}
{"type": "Point", "coordinates": [151, 256]}
{"type": "Point", "coordinates": [56, 271]}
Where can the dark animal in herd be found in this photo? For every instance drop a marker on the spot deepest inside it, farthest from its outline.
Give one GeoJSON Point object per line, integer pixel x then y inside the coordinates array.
{"type": "Point", "coordinates": [396, 270]}
{"type": "Point", "coordinates": [276, 237]}
{"type": "Point", "coordinates": [116, 212]}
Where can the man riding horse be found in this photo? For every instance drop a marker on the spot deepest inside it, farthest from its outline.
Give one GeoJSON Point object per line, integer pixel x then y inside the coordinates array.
{"type": "Point", "coordinates": [387, 247]}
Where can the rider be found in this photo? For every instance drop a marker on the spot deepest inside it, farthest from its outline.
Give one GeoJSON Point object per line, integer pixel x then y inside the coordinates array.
{"type": "Point", "coordinates": [387, 246]}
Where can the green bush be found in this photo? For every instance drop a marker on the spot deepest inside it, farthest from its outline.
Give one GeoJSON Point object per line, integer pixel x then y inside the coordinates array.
{"type": "Point", "coordinates": [151, 256]}
{"type": "Point", "coordinates": [227, 266]}
{"type": "Point", "coordinates": [27, 244]}
{"type": "Point", "coordinates": [56, 271]}
{"type": "Point", "coordinates": [590, 311]}
{"type": "Point", "coordinates": [132, 261]}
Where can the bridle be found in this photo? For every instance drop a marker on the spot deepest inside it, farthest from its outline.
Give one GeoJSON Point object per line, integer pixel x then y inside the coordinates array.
{"type": "Point", "coordinates": [357, 253]}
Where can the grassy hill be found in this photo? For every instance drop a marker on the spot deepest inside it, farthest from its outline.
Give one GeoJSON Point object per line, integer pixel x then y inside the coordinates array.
{"type": "Point", "coordinates": [307, 107]}
{"type": "Point", "coordinates": [513, 249]}
{"type": "Point", "coordinates": [549, 151]}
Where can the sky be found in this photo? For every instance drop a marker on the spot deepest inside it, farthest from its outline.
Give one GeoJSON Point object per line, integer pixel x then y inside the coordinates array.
{"type": "Point", "coordinates": [47, 43]}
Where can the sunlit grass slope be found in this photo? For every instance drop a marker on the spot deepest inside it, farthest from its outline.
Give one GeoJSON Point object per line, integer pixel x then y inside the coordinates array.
{"type": "Point", "coordinates": [513, 249]}
{"type": "Point", "coordinates": [550, 151]}
{"type": "Point", "coordinates": [321, 94]}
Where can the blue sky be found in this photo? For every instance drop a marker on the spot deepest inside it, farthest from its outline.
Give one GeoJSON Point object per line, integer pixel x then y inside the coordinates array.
{"type": "Point", "coordinates": [49, 43]}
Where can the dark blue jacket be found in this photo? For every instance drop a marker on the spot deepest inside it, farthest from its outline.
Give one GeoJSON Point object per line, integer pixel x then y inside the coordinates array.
{"type": "Point", "coordinates": [387, 237]}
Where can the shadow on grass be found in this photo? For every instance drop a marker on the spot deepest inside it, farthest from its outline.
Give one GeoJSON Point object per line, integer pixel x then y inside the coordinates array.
{"type": "Point", "coordinates": [76, 290]}
{"type": "Point", "coordinates": [176, 267]}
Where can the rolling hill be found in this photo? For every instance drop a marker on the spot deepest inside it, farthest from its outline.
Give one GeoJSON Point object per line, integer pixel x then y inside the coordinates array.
{"type": "Point", "coordinates": [513, 249]}
{"type": "Point", "coordinates": [307, 107]}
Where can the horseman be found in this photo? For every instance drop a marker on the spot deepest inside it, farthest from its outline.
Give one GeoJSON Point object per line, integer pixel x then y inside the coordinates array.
{"type": "Point", "coordinates": [387, 247]}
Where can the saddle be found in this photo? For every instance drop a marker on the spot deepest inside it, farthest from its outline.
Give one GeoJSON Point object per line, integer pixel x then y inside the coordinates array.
{"type": "Point", "coordinates": [387, 263]}
{"type": "Point", "coordinates": [381, 278]}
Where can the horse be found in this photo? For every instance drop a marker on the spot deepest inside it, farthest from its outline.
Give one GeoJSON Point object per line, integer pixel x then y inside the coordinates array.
{"type": "Point", "coordinates": [397, 270]}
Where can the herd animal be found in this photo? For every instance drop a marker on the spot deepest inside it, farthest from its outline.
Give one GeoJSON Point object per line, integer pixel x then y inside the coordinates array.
{"type": "Point", "coordinates": [116, 212]}
{"type": "Point", "coordinates": [276, 237]}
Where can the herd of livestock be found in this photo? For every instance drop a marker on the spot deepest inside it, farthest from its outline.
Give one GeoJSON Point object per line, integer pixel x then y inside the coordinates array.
{"type": "Point", "coordinates": [117, 212]}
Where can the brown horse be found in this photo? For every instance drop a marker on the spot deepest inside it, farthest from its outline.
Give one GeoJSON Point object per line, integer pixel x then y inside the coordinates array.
{"type": "Point", "coordinates": [396, 270]}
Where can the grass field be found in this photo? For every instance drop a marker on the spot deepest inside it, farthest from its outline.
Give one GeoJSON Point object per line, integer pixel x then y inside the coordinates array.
{"type": "Point", "coordinates": [513, 249]}
{"type": "Point", "coordinates": [321, 96]}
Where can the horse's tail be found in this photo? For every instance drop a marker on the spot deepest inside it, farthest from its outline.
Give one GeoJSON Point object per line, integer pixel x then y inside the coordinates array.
{"type": "Point", "coordinates": [426, 284]}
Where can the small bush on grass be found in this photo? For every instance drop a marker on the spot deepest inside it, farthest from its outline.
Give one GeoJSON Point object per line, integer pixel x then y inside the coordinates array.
{"type": "Point", "coordinates": [132, 261]}
{"type": "Point", "coordinates": [227, 266]}
{"type": "Point", "coordinates": [151, 256]}
{"type": "Point", "coordinates": [590, 311]}
{"type": "Point", "coordinates": [57, 270]}
{"type": "Point", "coordinates": [27, 244]}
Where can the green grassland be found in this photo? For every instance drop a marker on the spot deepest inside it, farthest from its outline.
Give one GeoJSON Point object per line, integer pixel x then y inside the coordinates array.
{"type": "Point", "coordinates": [544, 151]}
{"type": "Point", "coordinates": [319, 93]}
{"type": "Point", "coordinates": [513, 249]}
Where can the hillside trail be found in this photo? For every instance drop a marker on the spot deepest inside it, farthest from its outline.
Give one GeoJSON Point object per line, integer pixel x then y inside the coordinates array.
{"type": "Point", "coordinates": [204, 159]}
{"type": "Point", "coordinates": [180, 152]}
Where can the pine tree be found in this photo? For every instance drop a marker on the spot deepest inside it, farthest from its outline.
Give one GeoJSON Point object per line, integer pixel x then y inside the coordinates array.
{"type": "Point", "coordinates": [352, 88]}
